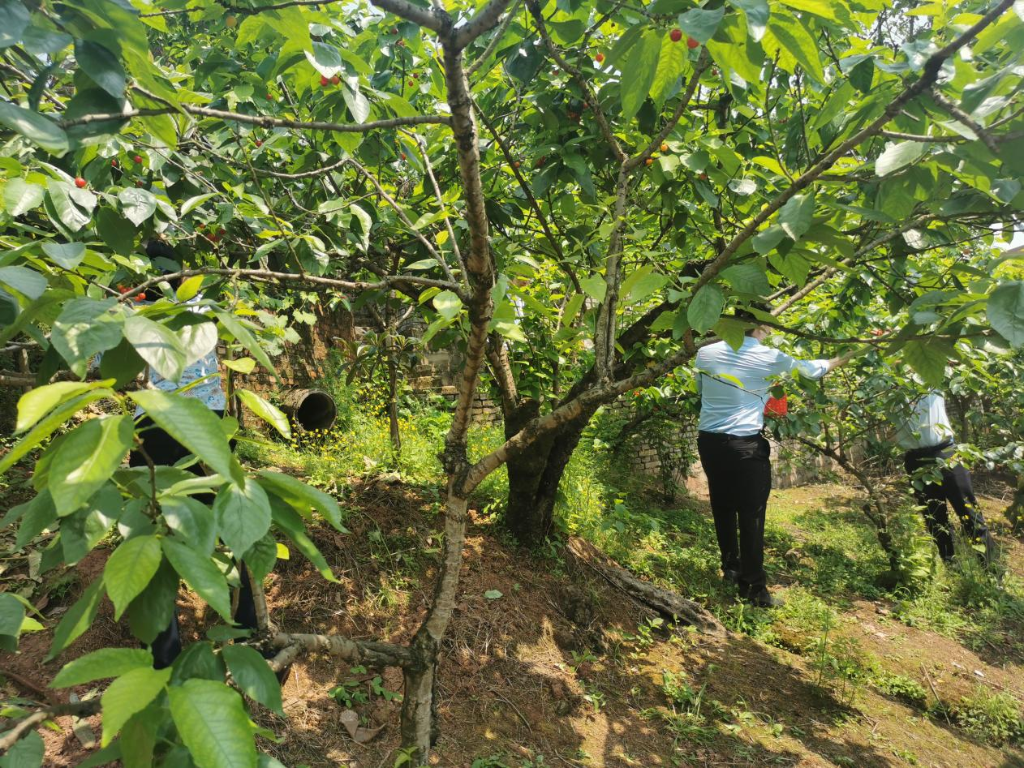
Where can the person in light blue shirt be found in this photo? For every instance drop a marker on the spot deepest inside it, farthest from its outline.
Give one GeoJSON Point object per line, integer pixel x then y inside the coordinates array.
{"type": "Point", "coordinates": [734, 387]}
{"type": "Point", "coordinates": [927, 437]}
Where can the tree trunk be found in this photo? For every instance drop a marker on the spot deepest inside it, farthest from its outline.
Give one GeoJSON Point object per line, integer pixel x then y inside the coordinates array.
{"type": "Point", "coordinates": [396, 437]}
{"type": "Point", "coordinates": [534, 477]}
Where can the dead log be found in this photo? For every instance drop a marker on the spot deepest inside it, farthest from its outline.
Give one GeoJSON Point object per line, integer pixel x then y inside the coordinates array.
{"type": "Point", "coordinates": [663, 601]}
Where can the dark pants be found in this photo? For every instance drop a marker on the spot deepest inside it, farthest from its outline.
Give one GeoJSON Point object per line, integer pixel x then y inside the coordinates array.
{"type": "Point", "coordinates": [164, 449]}
{"type": "Point", "coordinates": [739, 480]}
{"type": "Point", "coordinates": [954, 487]}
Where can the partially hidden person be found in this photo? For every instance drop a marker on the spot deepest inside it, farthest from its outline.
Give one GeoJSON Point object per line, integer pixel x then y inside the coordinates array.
{"type": "Point", "coordinates": [926, 436]}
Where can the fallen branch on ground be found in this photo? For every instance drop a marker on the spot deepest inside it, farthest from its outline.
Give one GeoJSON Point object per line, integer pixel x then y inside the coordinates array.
{"type": "Point", "coordinates": [661, 600]}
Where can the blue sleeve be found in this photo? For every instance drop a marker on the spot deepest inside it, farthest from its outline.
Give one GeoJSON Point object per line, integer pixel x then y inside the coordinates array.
{"type": "Point", "coordinates": [811, 369]}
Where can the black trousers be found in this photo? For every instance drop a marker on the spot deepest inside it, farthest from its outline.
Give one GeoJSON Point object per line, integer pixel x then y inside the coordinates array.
{"type": "Point", "coordinates": [955, 487]}
{"type": "Point", "coordinates": [164, 449]}
{"type": "Point", "coordinates": [739, 480]}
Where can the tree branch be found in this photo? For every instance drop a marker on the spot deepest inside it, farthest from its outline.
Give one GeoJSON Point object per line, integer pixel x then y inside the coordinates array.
{"type": "Point", "coordinates": [9, 738]}
{"type": "Point", "coordinates": [369, 652]}
{"type": "Point", "coordinates": [476, 26]}
{"type": "Point", "coordinates": [263, 121]}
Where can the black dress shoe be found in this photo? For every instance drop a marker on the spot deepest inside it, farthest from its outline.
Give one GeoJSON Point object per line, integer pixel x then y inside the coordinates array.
{"type": "Point", "coordinates": [730, 576]}
{"type": "Point", "coordinates": [762, 598]}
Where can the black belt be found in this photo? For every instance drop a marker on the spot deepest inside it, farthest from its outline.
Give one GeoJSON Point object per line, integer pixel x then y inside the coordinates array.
{"type": "Point", "coordinates": [916, 453]}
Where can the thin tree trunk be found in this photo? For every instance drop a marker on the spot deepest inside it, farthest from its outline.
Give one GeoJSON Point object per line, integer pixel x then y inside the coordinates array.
{"type": "Point", "coordinates": [396, 437]}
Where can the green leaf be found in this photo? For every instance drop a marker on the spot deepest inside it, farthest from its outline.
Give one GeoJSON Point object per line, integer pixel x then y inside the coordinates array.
{"type": "Point", "coordinates": [79, 618]}
{"type": "Point", "coordinates": [767, 240]}
{"type": "Point", "coordinates": [288, 521]}
{"type": "Point", "coordinates": [701, 24]}
{"type": "Point", "coordinates": [243, 515]}
{"type": "Point", "coordinates": [302, 497]}
{"type": "Point", "coordinates": [189, 288]}
{"type": "Point", "coordinates": [85, 328]}
{"type": "Point", "coordinates": [1006, 311]}
{"type": "Point", "coordinates": [101, 664]}
{"type": "Point", "coordinates": [243, 365]}
{"type": "Point", "coordinates": [192, 521]}
{"type": "Point", "coordinates": [27, 752]}
{"type": "Point", "coordinates": [797, 215]}
{"type": "Point", "coordinates": [130, 569]}
{"type": "Point", "coordinates": [493, 594]}
{"type": "Point", "coordinates": [67, 255]}
{"type": "Point", "coordinates": [82, 531]}
{"type": "Point", "coordinates": [12, 614]}
{"type": "Point", "coordinates": [788, 39]}
{"type": "Point", "coordinates": [62, 205]}
{"type": "Point", "coordinates": [823, 8]}
{"type": "Point", "coordinates": [194, 426]}
{"type": "Point", "coordinates": [14, 18]}
{"type": "Point", "coordinates": [732, 332]}
{"type": "Point", "coordinates": [705, 308]}
{"type": "Point", "coordinates": [638, 71]}
{"type": "Point", "coordinates": [102, 66]}
{"type": "Point", "coordinates": [448, 304]}
{"type": "Point", "coordinates": [21, 196]}
{"type": "Point", "coordinates": [198, 661]}
{"type": "Point", "coordinates": [928, 357]}
{"type": "Point", "coordinates": [253, 676]}
{"type": "Point", "coordinates": [34, 127]}
{"type": "Point", "coordinates": [47, 425]}
{"type": "Point", "coordinates": [747, 278]}
{"type": "Point", "coordinates": [201, 575]}
{"type": "Point", "coordinates": [671, 64]}
{"type": "Point", "coordinates": [137, 204]}
{"type": "Point", "coordinates": [325, 59]}
{"type": "Point", "coordinates": [235, 327]}
{"type": "Point", "coordinates": [269, 412]}
{"type": "Point", "coordinates": [211, 720]}
{"type": "Point", "coordinates": [36, 515]}
{"type": "Point", "coordinates": [87, 458]}
{"type": "Point", "coordinates": [595, 287]}
{"type": "Point", "coordinates": [25, 281]}
{"type": "Point", "coordinates": [756, 13]}
{"type": "Point", "coordinates": [365, 224]}
{"type": "Point", "coordinates": [151, 612]}
{"type": "Point", "coordinates": [130, 693]}
{"type": "Point", "coordinates": [157, 345]}
{"type": "Point", "coordinates": [898, 154]}
{"type": "Point", "coordinates": [641, 284]}
{"type": "Point", "coordinates": [261, 557]}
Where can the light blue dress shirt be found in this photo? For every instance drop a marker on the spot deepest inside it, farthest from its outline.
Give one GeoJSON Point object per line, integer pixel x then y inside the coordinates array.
{"type": "Point", "coordinates": [927, 424]}
{"type": "Point", "coordinates": [734, 384]}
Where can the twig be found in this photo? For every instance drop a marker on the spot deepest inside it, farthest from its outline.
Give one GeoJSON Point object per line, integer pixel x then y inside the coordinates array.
{"type": "Point", "coordinates": [11, 737]}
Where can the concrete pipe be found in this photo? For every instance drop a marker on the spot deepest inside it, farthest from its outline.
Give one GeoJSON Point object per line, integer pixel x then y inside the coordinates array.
{"type": "Point", "coordinates": [310, 409]}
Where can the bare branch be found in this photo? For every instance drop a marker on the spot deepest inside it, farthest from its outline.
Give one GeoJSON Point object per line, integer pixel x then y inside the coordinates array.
{"type": "Point", "coordinates": [369, 652]}
{"type": "Point", "coordinates": [476, 26]}
{"type": "Point", "coordinates": [961, 116]}
{"type": "Point", "coordinates": [435, 19]}
{"type": "Point", "coordinates": [495, 40]}
{"type": "Point", "coordinates": [11, 737]}
{"type": "Point", "coordinates": [263, 121]}
{"type": "Point", "coordinates": [243, 10]}
{"type": "Point", "coordinates": [266, 275]}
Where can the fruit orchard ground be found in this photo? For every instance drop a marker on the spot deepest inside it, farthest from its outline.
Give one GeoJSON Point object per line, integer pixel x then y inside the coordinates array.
{"type": "Point", "coordinates": [562, 666]}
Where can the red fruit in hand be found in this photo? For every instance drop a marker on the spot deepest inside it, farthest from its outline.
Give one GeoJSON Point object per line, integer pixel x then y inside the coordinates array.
{"type": "Point", "coordinates": [80, 182]}
{"type": "Point", "coordinates": [691, 43]}
{"type": "Point", "coordinates": [676, 35]}
{"type": "Point", "coordinates": [599, 58]}
{"type": "Point", "coordinates": [324, 81]}
{"type": "Point", "coordinates": [137, 159]}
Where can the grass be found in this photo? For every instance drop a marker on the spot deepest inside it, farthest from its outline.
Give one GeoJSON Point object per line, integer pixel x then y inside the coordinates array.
{"type": "Point", "coordinates": [820, 547]}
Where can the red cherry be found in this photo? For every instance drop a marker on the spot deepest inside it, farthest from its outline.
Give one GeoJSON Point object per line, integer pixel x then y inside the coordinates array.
{"type": "Point", "coordinates": [691, 43]}
{"type": "Point", "coordinates": [335, 80]}
{"type": "Point", "coordinates": [703, 177]}
{"type": "Point", "coordinates": [80, 182]}
{"type": "Point", "coordinates": [113, 163]}
{"type": "Point", "coordinates": [140, 297]}
{"type": "Point", "coordinates": [123, 289]}
{"type": "Point", "coordinates": [416, 74]}
{"type": "Point", "coordinates": [137, 159]}
{"type": "Point", "coordinates": [676, 35]}
{"type": "Point", "coordinates": [649, 161]}
{"type": "Point", "coordinates": [403, 155]}
{"type": "Point", "coordinates": [599, 58]}
{"type": "Point", "coordinates": [259, 143]}
{"type": "Point", "coordinates": [401, 43]}
{"type": "Point", "coordinates": [516, 164]}
{"type": "Point", "coordinates": [394, 30]}
{"type": "Point", "coordinates": [139, 183]}
{"type": "Point", "coordinates": [221, 233]}
{"type": "Point", "coordinates": [412, 84]}
{"type": "Point", "coordinates": [323, 80]}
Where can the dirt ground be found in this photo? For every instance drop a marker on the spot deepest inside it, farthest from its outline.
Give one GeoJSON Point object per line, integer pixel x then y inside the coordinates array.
{"type": "Point", "coordinates": [545, 665]}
